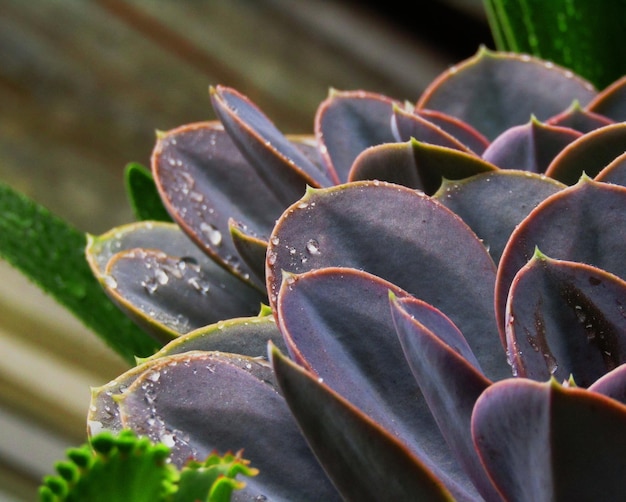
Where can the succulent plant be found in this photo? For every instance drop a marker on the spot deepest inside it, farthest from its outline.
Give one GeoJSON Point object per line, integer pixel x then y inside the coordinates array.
{"type": "Point", "coordinates": [418, 302]}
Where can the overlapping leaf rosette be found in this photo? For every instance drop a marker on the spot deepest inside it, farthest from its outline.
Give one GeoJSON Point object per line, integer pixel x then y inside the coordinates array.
{"type": "Point", "coordinates": [439, 287]}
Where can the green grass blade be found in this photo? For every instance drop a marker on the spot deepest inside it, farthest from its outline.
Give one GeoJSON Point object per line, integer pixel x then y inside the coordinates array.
{"type": "Point", "coordinates": [143, 195]}
{"type": "Point", "coordinates": [586, 36]}
{"type": "Point", "coordinates": [51, 253]}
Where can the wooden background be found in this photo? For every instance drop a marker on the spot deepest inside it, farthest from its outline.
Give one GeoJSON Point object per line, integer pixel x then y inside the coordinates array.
{"type": "Point", "coordinates": [83, 87]}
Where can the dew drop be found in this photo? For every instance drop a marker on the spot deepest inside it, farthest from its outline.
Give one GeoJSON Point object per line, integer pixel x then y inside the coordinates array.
{"type": "Point", "coordinates": [214, 235]}
{"type": "Point", "coordinates": [313, 247]}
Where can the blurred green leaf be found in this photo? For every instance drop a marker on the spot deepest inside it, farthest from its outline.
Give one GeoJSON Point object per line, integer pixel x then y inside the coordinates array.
{"type": "Point", "coordinates": [51, 253]}
{"type": "Point", "coordinates": [585, 36]}
{"type": "Point", "coordinates": [143, 195]}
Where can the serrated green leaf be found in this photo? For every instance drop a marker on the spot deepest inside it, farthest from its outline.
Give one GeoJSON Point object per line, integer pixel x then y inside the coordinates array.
{"type": "Point", "coordinates": [51, 253]}
{"type": "Point", "coordinates": [143, 195]}
{"type": "Point", "coordinates": [580, 34]}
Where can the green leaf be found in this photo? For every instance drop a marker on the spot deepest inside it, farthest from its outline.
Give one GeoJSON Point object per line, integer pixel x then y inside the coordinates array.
{"type": "Point", "coordinates": [51, 253]}
{"type": "Point", "coordinates": [584, 35]}
{"type": "Point", "coordinates": [143, 195]}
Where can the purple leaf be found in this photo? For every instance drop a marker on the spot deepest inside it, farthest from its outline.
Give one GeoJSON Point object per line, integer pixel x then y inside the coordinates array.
{"type": "Point", "coordinates": [542, 441]}
{"type": "Point", "coordinates": [579, 119]}
{"type": "Point", "coordinates": [362, 458]}
{"type": "Point", "coordinates": [585, 223]}
{"type": "Point", "coordinates": [611, 101]}
{"type": "Point", "coordinates": [565, 319]}
{"type": "Point", "coordinates": [449, 377]}
{"type": "Point", "coordinates": [347, 123]}
{"type": "Point", "coordinates": [416, 165]}
{"type": "Point", "coordinates": [589, 154]}
{"type": "Point", "coordinates": [197, 402]}
{"type": "Point", "coordinates": [529, 147]}
{"type": "Point", "coordinates": [493, 91]}
{"type": "Point", "coordinates": [493, 204]}
{"type": "Point", "coordinates": [337, 323]}
{"type": "Point", "coordinates": [460, 130]}
{"type": "Point", "coordinates": [397, 234]}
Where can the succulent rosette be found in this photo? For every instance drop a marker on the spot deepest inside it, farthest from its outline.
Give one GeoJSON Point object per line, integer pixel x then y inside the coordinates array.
{"type": "Point", "coordinates": [440, 284]}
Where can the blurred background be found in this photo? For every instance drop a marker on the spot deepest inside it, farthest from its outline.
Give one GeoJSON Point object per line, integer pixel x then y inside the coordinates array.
{"type": "Point", "coordinates": [84, 84]}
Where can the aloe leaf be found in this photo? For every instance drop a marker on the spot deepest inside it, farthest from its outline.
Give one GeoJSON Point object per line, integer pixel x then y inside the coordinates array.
{"type": "Point", "coordinates": [396, 233]}
{"type": "Point", "coordinates": [416, 164]}
{"type": "Point", "coordinates": [51, 253]}
{"type": "Point", "coordinates": [580, 223]}
{"type": "Point", "coordinates": [572, 33]}
{"type": "Point", "coordinates": [565, 318]}
{"type": "Point", "coordinates": [534, 440]}
{"type": "Point", "coordinates": [364, 461]}
{"type": "Point", "coordinates": [494, 203]}
{"type": "Point", "coordinates": [143, 194]}
{"type": "Point", "coordinates": [348, 122]}
{"type": "Point", "coordinates": [495, 91]}
{"type": "Point", "coordinates": [199, 402]}
{"type": "Point", "coordinates": [449, 377]}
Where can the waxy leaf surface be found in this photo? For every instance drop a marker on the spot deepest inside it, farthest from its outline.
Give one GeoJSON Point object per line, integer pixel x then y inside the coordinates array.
{"type": "Point", "coordinates": [584, 223]}
{"type": "Point", "coordinates": [197, 402]}
{"type": "Point", "coordinates": [544, 442]}
{"type": "Point", "coordinates": [397, 234]}
{"type": "Point", "coordinates": [346, 347]}
{"type": "Point", "coordinates": [449, 377]}
{"type": "Point", "coordinates": [347, 123]}
{"type": "Point", "coordinates": [494, 203]}
{"type": "Point", "coordinates": [565, 319]}
{"type": "Point", "coordinates": [364, 461]}
{"type": "Point", "coordinates": [495, 91]}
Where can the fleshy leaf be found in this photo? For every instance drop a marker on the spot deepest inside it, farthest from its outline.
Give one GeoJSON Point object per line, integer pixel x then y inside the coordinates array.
{"type": "Point", "coordinates": [614, 172]}
{"type": "Point", "coordinates": [493, 91]}
{"type": "Point", "coordinates": [460, 130]}
{"type": "Point", "coordinates": [200, 402]}
{"type": "Point", "coordinates": [529, 147]}
{"type": "Point", "coordinates": [247, 336]}
{"type": "Point", "coordinates": [416, 165]}
{"type": "Point", "coordinates": [363, 459]}
{"type": "Point", "coordinates": [565, 318]}
{"type": "Point", "coordinates": [406, 125]}
{"type": "Point", "coordinates": [51, 253]}
{"type": "Point", "coordinates": [581, 223]}
{"type": "Point", "coordinates": [542, 441]}
{"type": "Point", "coordinates": [613, 384]}
{"type": "Point", "coordinates": [283, 167]}
{"type": "Point", "coordinates": [588, 154]}
{"type": "Point", "coordinates": [611, 101]}
{"type": "Point", "coordinates": [113, 468]}
{"type": "Point", "coordinates": [579, 119]}
{"type": "Point", "coordinates": [170, 265]}
{"type": "Point", "coordinates": [205, 182]}
{"type": "Point", "coordinates": [143, 194]}
{"type": "Point", "coordinates": [345, 347]}
{"type": "Point", "coordinates": [250, 248]}
{"type": "Point", "coordinates": [493, 204]}
{"type": "Point", "coordinates": [396, 233]}
{"type": "Point", "coordinates": [449, 377]}
{"type": "Point", "coordinates": [347, 123]}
